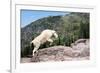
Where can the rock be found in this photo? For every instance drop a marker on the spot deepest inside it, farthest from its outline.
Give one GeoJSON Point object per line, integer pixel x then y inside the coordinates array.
{"type": "Point", "coordinates": [79, 50]}
{"type": "Point", "coordinates": [55, 53]}
{"type": "Point", "coordinates": [82, 45]}
{"type": "Point", "coordinates": [25, 60]}
{"type": "Point", "coordinates": [80, 41]}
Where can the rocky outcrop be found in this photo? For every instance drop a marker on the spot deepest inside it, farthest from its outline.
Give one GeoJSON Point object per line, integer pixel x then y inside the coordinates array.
{"type": "Point", "coordinates": [82, 45]}
{"type": "Point", "coordinates": [78, 51]}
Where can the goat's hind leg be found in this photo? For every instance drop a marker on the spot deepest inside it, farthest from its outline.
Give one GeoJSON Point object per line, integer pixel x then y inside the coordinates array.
{"type": "Point", "coordinates": [36, 48]}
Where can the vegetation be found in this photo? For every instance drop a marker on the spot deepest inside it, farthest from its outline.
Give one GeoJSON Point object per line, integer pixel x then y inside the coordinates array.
{"type": "Point", "coordinates": [69, 27]}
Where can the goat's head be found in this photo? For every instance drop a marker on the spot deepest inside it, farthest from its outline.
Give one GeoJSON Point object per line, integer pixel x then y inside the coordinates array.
{"type": "Point", "coordinates": [55, 34]}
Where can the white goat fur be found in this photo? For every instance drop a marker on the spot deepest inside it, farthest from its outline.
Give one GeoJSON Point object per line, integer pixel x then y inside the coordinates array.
{"type": "Point", "coordinates": [42, 38]}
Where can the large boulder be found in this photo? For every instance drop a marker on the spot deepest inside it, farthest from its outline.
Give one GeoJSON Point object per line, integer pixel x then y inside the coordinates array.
{"type": "Point", "coordinates": [78, 51]}
{"type": "Point", "coordinates": [56, 53]}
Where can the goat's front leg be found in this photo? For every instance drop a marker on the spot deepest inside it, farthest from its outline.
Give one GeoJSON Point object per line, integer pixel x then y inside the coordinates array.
{"type": "Point", "coordinates": [50, 40]}
{"type": "Point", "coordinates": [36, 48]}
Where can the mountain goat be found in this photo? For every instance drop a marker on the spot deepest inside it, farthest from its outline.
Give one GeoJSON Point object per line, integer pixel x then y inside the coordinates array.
{"type": "Point", "coordinates": [45, 36]}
